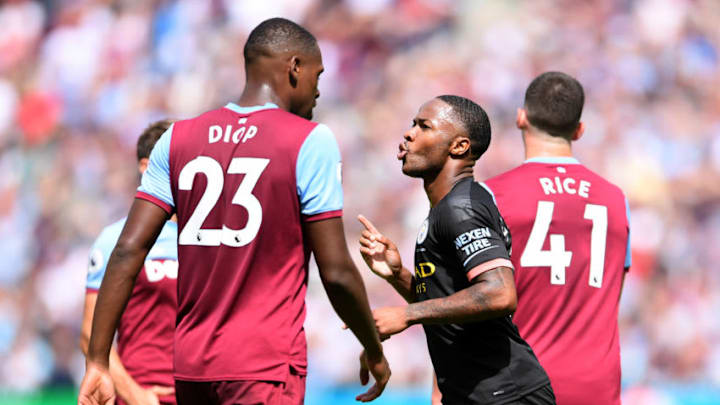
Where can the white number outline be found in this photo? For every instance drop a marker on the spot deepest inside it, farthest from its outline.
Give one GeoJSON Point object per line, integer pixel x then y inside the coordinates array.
{"type": "Point", "coordinates": [557, 258]}
{"type": "Point", "coordinates": [192, 233]}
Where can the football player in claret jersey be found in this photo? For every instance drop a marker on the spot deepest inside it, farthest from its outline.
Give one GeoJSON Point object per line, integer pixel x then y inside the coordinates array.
{"type": "Point", "coordinates": [256, 187]}
{"type": "Point", "coordinates": [141, 367]}
{"type": "Point", "coordinates": [570, 247]}
{"type": "Point", "coordinates": [462, 288]}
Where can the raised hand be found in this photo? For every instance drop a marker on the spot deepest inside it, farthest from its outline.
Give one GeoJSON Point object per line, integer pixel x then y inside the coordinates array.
{"type": "Point", "coordinates": [97, 387]}
{"type": "Point", "coordinates": [379, 369]}
{"type": "Point", "coordinates": [380, 253]}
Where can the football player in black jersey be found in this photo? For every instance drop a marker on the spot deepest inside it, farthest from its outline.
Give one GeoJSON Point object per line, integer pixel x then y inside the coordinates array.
{"type": "Point", "coordinates": [462, 289]}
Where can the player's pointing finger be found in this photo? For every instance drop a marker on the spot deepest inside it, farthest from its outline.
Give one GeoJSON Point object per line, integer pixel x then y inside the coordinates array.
{"type": "Point", "coordinates": [368, 225]}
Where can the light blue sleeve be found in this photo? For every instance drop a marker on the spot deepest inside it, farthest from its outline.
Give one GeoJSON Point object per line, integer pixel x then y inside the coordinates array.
{"type": "Point", "coordinates": [628, 255]}
{"type": "Point", "coordinates": [99, 255]}
{"type": "Point", "coordinates": [318, 173]}
{"type": "Point", "coordinates": [156, 179]}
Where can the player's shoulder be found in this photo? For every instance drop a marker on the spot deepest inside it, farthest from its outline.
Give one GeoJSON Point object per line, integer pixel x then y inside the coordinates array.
{"type": "Point", "coordinates": [597, 179]}
{"type": "Point", "coordinates": [101, 249]}
{"type": "Point", "coordinates": [288, 117]}
{"type": "Point", "coordinates": [466, 198]}
{"type": "Point", "coordinates": [300, 126]}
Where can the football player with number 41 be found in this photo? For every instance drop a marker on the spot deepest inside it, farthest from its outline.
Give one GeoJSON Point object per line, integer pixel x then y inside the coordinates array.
{"type": "Point", "coordinates": [570, 247]}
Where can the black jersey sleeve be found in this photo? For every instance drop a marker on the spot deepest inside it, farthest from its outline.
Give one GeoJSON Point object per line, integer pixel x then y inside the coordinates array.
{"type": "Point", "coordinates": [472, 230]}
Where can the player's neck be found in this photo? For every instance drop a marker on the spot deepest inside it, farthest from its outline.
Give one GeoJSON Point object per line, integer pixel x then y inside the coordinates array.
{"type": "Point", "coordinates": [544, 145]}
{"type": "Point", "coordinates": [260, 93]}
{"type": "Point", "coordinates": [439, 185]}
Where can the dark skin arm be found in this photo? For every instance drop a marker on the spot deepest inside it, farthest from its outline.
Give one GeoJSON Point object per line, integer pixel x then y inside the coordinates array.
{"type": "Point", "coordinates": [402, 283]}
{"type": "Point", "coordinates": [492, 295]}
{"type": "Point", "coordinates": [346, 291]}
{"type": "Point", "coordinates": [142, 228]}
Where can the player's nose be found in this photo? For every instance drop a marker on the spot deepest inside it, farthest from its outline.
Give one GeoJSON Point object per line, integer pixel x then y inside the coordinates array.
{"type": "Point", "coordinates": [409, 135]}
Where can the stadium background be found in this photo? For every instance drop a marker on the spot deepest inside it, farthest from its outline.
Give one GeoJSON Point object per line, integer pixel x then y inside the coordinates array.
{"type": "Point", "coordinates": [80, 79]}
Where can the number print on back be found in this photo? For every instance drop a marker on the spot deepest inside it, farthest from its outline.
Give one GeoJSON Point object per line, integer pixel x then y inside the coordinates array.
{"type": "Point", "coordinates": [557, 258]}
{"type": "Point", "coordinates": [191, 233]}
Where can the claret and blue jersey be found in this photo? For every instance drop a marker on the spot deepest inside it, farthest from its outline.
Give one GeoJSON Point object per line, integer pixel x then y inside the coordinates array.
{"type": "Point", "coordinates": [571, 236]}
{"type": "Point", "coordinates": [242, 181]}
{"type": "Point", "coordinates": [146, 328]}
{"type": "Point", "coordinates": [164, 250]}
{"type": "Point", "coordinates": [318, 165]}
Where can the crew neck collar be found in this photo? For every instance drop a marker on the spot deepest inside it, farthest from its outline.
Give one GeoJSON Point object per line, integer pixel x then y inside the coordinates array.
{"type": "Point", "coordinates": [251, 109]}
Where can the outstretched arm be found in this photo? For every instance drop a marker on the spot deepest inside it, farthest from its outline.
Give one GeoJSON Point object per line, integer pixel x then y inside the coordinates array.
{"type": "Point", "coordinates": [346, 291]}
{"type": "Point", "coordinates": [142, 228]}
{"type": "Point", "coordinates": [492, 295]}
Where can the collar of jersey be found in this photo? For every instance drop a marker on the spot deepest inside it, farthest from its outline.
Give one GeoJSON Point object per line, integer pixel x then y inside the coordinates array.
{"type": "Point", "coordinates": [248, 110]}
{"type": "Point", "coordinates": [565, 160]}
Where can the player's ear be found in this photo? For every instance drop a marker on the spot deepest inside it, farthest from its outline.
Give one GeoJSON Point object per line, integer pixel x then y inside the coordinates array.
{"type": "Point", "coordinates": [460, 146]}
{"type": "Point", "coordinates": [579, 131]}
{"type": "Point", "coordinates": [294, 73]}
{"type": "Point", "coordinates": [522, 121]}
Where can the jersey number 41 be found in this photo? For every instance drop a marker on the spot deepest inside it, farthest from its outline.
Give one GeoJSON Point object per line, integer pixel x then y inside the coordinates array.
{"type": "Point", "coordinates": [557, 258]}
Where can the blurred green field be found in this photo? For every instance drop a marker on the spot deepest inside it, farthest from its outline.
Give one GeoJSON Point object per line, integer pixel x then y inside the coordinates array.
{"type": "Point", "coordinates": [62, 396]}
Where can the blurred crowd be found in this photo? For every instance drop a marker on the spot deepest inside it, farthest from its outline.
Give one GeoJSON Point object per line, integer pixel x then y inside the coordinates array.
{"type": "Point", "coordinates": [80, 79]}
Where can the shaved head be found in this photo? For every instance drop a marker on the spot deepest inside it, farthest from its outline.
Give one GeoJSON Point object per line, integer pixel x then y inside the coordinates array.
{"type": "Point", "coordinates": [283, 64]}
{"type": "Point", "coordinates": [278, 35]}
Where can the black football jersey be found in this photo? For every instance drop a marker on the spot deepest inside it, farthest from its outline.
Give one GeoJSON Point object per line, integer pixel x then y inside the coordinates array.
{"type": "Point", "coordinates": [480, 362]}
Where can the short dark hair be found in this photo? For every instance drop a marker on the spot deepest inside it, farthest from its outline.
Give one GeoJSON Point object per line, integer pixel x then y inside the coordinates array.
{"type": "Point", "coordinates": [150, 135]}
{"type": "Point", "coordinates": [474, 119]}
{"type": "Point", "coordinates": [277, 35]}
{"type": "Point", "coordinates": [554, 103]}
